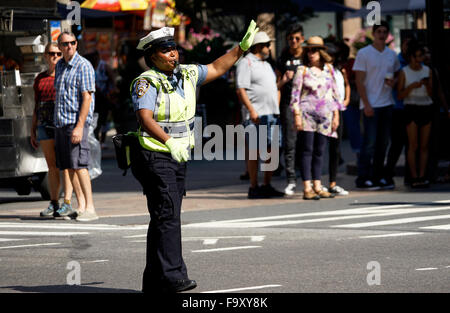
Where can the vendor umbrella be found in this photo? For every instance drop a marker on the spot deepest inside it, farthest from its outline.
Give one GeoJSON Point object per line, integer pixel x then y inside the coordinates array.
{"type": "Point", "coordinates": [115, 5]}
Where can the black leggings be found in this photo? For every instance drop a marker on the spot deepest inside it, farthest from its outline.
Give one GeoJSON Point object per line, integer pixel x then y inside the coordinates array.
{"type": "Point", "coordinates": [312, 146]}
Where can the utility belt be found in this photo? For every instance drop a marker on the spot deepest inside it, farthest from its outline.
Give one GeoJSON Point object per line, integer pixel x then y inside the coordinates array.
{"type": "Point", "coordinates": [175, 129]}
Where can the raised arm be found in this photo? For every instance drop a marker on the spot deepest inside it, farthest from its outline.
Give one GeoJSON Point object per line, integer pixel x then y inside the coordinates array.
{"type": "Point", "coordinates": [221, 65]}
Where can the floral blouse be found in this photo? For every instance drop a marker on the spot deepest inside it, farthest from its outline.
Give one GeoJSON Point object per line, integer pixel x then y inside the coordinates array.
{"type": "Point", "coordinates": [316, 96]}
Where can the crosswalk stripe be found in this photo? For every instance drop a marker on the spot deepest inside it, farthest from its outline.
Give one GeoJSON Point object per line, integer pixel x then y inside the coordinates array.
{"type": "Point", "coordinates": [242, 289]}
{"type": "Point", "coordinates": [437, 227]}
{"type": "Point", "coordinates": [395, 221]}
{"type": "Point", "coordinates": [35, 233]}
{"type": "Point", "coordinates": [72, 226]}
{"type": "Point", "coordinates": [9, 239]}
{"type": "Point", "coordinates": [251, 223]}
{"type": "Point", "coordinates": [34, 245]}
{"type": "Point", "coordinates": [390, 235]}
{"type": "Point", "coordinates": [226, 249]}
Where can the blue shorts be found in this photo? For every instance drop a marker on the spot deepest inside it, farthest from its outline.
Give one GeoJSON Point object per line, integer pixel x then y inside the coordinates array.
{"type": "Point", "coordinates": [270, 121]}
{"type": "Point", "coordinates": [45, 132]}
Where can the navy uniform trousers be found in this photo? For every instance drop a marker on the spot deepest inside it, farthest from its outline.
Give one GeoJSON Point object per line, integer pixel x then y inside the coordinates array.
{"type": "Point", "coordinates": [163, 181]}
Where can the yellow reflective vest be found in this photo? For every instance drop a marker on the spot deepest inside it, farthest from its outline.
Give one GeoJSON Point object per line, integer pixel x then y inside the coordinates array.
{"type": "Point", "coordinates": [173, 113]}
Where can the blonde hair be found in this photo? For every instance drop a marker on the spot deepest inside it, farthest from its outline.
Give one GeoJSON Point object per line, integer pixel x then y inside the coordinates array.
{"type": "Point", "coordinates": [49, 45]}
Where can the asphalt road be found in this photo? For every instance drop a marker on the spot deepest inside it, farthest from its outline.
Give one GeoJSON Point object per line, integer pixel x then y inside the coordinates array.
{"type": "Point", "coordinates": [395, 243]}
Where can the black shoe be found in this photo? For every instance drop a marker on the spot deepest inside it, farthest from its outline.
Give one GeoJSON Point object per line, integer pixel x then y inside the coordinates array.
{"type": "Point", "coordinates": [386, 184]}
{"type": "Point", "coordinates": [255, 193]}
{"type": "Point", "coordinates": [366, 184]}
{"type": "Point", "coordinates": [269, 192]}
{"type": "Point", "coordinates": [244, 176]}
{"type": "Point", "coordinates": [182, 285]}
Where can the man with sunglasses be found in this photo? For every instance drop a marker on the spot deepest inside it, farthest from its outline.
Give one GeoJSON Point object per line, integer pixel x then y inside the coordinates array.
{"type": "Point", "coordinates": [74, 108]}
{"type": "Point", "coordinates": [290, 59]}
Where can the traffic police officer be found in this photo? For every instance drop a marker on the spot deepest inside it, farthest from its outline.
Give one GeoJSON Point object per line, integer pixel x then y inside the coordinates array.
{"type": "Point", "coordinates": [164, 99]}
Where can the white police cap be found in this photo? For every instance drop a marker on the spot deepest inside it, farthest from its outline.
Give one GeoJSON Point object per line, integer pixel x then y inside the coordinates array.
{"type": "Point", "coordinates": [160, 37]}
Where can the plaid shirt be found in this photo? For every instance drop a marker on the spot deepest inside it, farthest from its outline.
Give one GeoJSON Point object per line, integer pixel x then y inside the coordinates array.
{"type": "Point", "coordinates": [71, 80]}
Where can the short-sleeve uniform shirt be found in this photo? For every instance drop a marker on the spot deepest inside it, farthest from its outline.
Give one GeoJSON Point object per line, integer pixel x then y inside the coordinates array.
{"type": "Point", "coordinates": [144, 94]}
{"type": "Point", "coordinates": [376, 65]}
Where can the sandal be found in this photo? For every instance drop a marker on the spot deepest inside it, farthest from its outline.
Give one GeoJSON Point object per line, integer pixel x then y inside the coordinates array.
{"type": "Point", "coordinates": [310, 195]}
{"type": "Point", "coordinates": [324, 194]}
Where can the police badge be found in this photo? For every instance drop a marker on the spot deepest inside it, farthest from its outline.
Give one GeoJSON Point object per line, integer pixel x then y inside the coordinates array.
{"type": "Point", "coordinates": [141, 87]}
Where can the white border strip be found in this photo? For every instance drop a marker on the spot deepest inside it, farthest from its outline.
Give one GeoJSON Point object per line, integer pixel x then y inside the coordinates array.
{"type": "Point", "coordinates": [391, 235]}
{"type": "Point", "coordinates": [39, 233]}
{"type": "Point", "coordinates": [226, 249]}
{"type": "Point", "coordinates": [242, 289]}
{"type": "Point", "coordinates": [36, 245]}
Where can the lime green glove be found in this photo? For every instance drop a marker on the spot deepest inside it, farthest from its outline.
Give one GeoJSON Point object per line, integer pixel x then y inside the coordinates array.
{"type": "Point", "coordinates": [247, 41]}
{"type": "Point", "coordinates": [179, 152]}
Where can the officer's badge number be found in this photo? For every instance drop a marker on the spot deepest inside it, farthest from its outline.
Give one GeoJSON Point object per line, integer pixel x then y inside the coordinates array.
{"type": "Point", "coordinates": [142, 87]}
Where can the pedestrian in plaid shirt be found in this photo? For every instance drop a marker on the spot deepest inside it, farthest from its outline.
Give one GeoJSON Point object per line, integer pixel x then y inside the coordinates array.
{"type": "Point", "coordinates": [74, 109]}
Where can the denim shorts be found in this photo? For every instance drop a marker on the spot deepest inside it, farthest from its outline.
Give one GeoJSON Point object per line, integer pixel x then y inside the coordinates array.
{"type": "Point", "coordinates": [44, 132]}
{"type": "Point", "coordinates": [270, 121]}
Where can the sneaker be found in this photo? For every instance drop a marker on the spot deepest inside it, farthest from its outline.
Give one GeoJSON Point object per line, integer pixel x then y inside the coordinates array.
{"type": "Point", "coordinates": [386, 184]}
{"type": "Point", "coordinates": [87, 216]}
{"type": "Point", "coordinates": [66, 210]}
{"type": "Point", "coordinates": [338, 191]}
{"type": "Point", "coordinates": [72, 216]}
{"type": "Point", "coordinates": [49, 211]}
{"type": "Point", "coordinates": [269, 192]}
{"type": "Point", "coordinates": [367, 185]}
{"type": "Point", "coordinates": [290, 189]}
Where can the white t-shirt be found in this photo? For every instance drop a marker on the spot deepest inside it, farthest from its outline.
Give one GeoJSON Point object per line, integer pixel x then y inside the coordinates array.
{"type": "Point", "coordinates": [418, 96]}
{"type": "Point", "coordinates": [376, 65]}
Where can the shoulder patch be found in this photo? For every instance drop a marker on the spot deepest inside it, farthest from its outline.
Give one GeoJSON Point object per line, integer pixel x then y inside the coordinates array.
{"type": "Point", "coordinates": [142, 86]}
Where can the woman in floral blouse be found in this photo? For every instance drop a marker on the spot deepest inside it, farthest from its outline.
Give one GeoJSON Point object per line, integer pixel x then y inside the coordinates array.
{"type": "Point", "coordinates": [315, 104]}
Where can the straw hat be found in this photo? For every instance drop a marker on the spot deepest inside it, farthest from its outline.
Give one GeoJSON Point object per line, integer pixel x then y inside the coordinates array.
{"type": "Point", "coordinates": [317, 42]}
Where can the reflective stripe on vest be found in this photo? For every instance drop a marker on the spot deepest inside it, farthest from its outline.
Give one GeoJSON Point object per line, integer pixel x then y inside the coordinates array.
{"type": "Point", "coordinates": [173, 113]}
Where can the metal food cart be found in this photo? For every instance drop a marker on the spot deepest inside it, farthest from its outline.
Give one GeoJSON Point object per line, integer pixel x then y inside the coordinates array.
{"type": "Point", "coordinates": [22, 167]}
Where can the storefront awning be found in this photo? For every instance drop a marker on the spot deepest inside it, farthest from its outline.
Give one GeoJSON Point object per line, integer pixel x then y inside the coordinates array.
{"type": "Point", "coordinates": [88, 13]}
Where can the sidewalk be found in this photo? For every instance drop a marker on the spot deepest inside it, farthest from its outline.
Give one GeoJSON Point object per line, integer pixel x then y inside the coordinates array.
{"type": "Point", "coordinates": [210, 185]}
{"type": "Point", "coordinates": [216, 184]}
